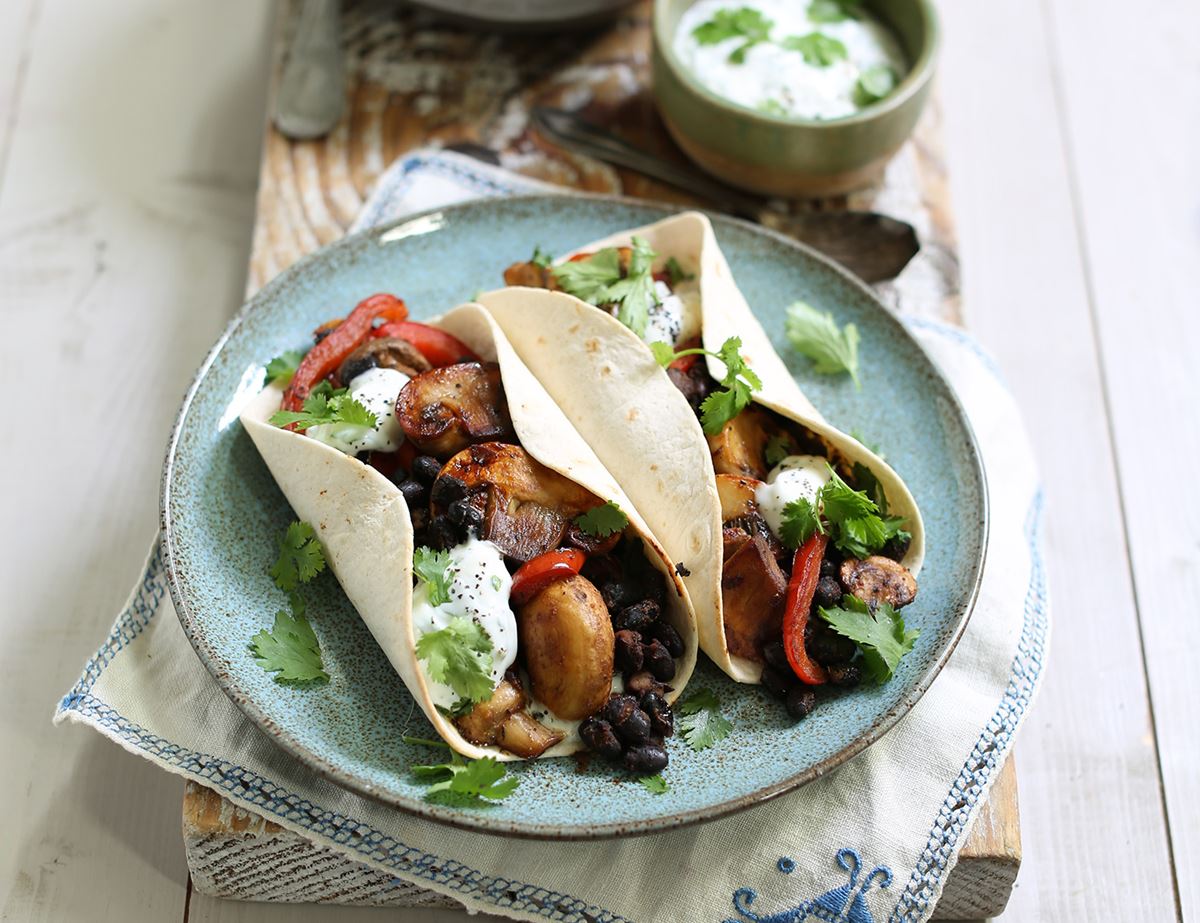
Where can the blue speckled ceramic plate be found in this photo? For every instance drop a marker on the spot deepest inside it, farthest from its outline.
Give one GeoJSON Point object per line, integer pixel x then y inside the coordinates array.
{"type": "Point", "coordinates": [222, 513]}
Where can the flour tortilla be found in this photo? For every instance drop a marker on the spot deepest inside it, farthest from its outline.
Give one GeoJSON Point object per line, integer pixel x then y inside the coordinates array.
{"type": "Point", "coordinates": [621, 401]}
{"type": "Point", "coordinates": [363, 522]}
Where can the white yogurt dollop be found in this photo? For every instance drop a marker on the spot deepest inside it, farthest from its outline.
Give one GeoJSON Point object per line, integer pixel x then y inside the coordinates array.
{"type": "Point", "coordinates": [795, 477]}
{"type": "Point", "coordinates": [377, 390]}
{"type": "Point", "coordinates": [676, 317]}
{"type": "Point", "coordinates": [775, 79]}
{"type": "Point", "coordinates": [479, 590]}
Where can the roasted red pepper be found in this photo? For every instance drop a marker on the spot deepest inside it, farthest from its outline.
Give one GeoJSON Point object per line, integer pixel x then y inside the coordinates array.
{"type": "Point", "coordinates": [806, 571]}
{"type": "Point", "coordinates": [342, 340]}
{"type": "Point", "coordinates": [533, 576]}
{"type": "Point", "coordinates": [439, 347]}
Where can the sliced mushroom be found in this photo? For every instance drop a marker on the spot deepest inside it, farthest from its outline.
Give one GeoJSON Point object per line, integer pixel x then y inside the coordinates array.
{"type": "Point", "coordinates": [567, 642]}
{"type": "Point", "coordinates": [528, 506]}
{"type": "Point", "coordinates": [879, 580]}
{"type": "Point", "coordinates": [383, 353]}
{"type": "Point", "coordinates": [740, 447]}
{"type": "Point", "coordinates": [753, 588]}
{"type": "Point", "coordinates": [444, 410]}
{"type": "Point", "coordinates": [737, 496]}
{"type": "Point", "coordinates": [525, 736]}
{"type": "Point", "coordinates": [481, 724]}
{"type": "Point", "coordinates": [530, 275]}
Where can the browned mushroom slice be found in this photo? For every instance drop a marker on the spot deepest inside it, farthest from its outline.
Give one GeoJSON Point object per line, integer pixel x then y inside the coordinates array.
{"type": "Point", "coordinates": [567, 642]}
{"type": "Point", "coordinates": [529, 506]}
{"type": "Point", "coordinates": [481, 724]}
{"type": "Point", "coordinates": [444, 410]}
{"type": "Point", "coordinates": [753, 588]}
{"type": "Point", "coordinates": [879, 580]}
{"type": "Point", "coordinates": [383, 353]}
{"type": "Point", "coordinates": [525, 736]}
{"type": "Point", "coordinates": [530, 275]}
{"type": "Point", "coordinates": [740, 447]}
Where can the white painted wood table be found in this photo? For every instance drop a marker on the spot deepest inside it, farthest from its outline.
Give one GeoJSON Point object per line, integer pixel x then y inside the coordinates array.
{"type": "Point", "coordinates": [128, 153]}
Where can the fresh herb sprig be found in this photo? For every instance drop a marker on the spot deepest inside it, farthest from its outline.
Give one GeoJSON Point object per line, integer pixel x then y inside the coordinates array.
{"type": "Point", "coordinates": [818, 49]}
{"type": "Point", "coordinates": [880, 634]}
{"type": "Point", "coordinates": [739, 382]}
{"type": "Point", "coordinates": [853, 521]}
{"type": "Point", "coordinates": [603, 521]}
{"type": "Point", "coordinates": [874, 84]}
{"type": "Point", "coordinates": [301, 557]}
{"type": "Point", "coordinates": [745, 23]}
{"type": "Point", "coordinates": [833, 350]}
{"type": "Point", "coordinates": [463, 781]}
{"type": "Point", "coordinates": [598, 280]}
{"type": "Point", "coordinates": [824, 11]}
{"type": "Point", "coordinates": [281, 369]}
{"type": "Point", "coordinates": [459, 656]}
{"type": "Point", "coordinates": [655, 784]}
{"type": "Point", "coordinates": [700, 720]}
{"type": "Point", "coordinates": [326, 404]}
{"type": "Point", "coordinates": [290, 649]}
{"type": "Point", "coordinates": [433, 569]}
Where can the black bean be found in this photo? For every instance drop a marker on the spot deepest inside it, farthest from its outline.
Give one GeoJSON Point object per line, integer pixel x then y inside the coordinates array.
{"type": "Point", "coordinates": [800, 701]}
{"type": "Point", "coordinates": [446, 490]}
{"type": "Point", "coordinates": [829, 567]}
{"type": "Point", "coordinates": [355, 364]}
{"type": "Point", "coordinates": [617, 594]}
{"type": "Point", "coordinates": [844, 674]}
{"type": "Point", "coordinates": [660, 662]}
{"type": "Point", "coordinates": [646, 759]}
{"type": "Point", "coordinates": [778, 682]}
{"type": "Point", "coordinates": [826, 646]}
{"type": "Point", "coordinates": [617, 708]}
{"type": "Point", "coordinates": [415, 493]}
{"type": "Point", "coordinates": [599, 737]}
{"type": "Point", "coordinates": [639, 617]}
{"type": "Point", "coordinates": [663, 631]}
{"type": "Point", "coordinates": [443, 534]}
{"type": "Point", "coordinates": [829, 592]}
{"type": "Point", "coordinates": [662, 719]}
{"type": "Point", "coordinates": [426, 468]}
{"type": "Point", "coordinates": [628, 651]}
{"type": "Point", "coordinates": [634, 729]}
{"type": "Point", "coordinates": [641, 683]}
{"type": "Point", "coordinates": [465, 513]}
{"type": "Point", "coordinates": [775, 656]}
{"type": "Point", "coordinates": [897, 547]}
{"type": "Point", "coordinates": [420, 519]}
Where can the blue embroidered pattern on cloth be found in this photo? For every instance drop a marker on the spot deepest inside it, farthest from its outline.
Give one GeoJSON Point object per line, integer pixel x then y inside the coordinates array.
{"type": "Point", "coordinates": [844, 904]}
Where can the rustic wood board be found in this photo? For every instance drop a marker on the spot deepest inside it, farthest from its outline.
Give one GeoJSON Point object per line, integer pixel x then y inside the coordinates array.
{"type": "Point", "coordinates": [413, 82]}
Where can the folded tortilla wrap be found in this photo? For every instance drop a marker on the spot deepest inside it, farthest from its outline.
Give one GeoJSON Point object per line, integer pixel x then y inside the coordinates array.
{"type": "Point", "coordinates": [363, 521]}
{"type": "Point", "coordinates": [621, 401]}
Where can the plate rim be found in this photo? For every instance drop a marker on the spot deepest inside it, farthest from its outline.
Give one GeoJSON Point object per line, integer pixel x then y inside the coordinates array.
{"type": "Point", "coordinates": [482, 823]}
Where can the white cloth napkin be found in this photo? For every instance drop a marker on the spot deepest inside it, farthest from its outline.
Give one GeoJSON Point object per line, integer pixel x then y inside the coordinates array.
{"type": "Point", "coordinates": [871, 841]}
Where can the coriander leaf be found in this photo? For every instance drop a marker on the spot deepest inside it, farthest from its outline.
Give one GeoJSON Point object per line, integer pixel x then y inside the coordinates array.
{"type": "Point", "coordinates": [722, 406]}
{"type": "Point", "coordinates": [589, 279]}
{"type": "Point", "coordinates": [325, 404]}
{"type": "Point", "coordinates": [819, 49]}
{"type": "Point", "coordinates": [289, 650]}
{"type": "Point", "coordinates": [701, 721]}
{"type": "Point", "coordinates": [744, 22]}
{"type": "Point", "coordinates": [840, 501]}
{"type": "Point", "coordinates": [676, 273]}
{"type": "Point", "coordinates": [460, 656]}
{"type": "Point", "coordinates": [740, 380]}
{"type": "Point", "coordinates": [664, 353]}
{"type": "Point", "coordinates": [778, 448]}
{"type": "Point", "coordinates": [816, 336]}
{"type": "Point", "coordinates": [281, 369]}
{"type": "Point", "coordinates": [656, 784]}
{"type": "Point", "coordinates": [880, 635]}
{"type": "Point", "coordinates": [772, 106]}
{"type": "Point", "coordinates": [799, 523]}
{"type": "Point", "coordinates": [541, 257]}
{"type": "Point", "coordinates": [496, 582]}
{"type": "Point", "coordinates": [865, 478]}
{"type": "Point", "coordinates": [598, 280]}
{"type": "Point", "coordinates": [433, 568]}
{"type": "Point", "coordinates": [602, 521]}
{"type": "Point", "coordinates": [856, 525]}
{"type": "Point", "coordinates": [300, 557]}
{"type": "Point", "coordinates": [833, 10]}
{"type": "Point", "coordinates": [874, 84]}
{"type": "Point", "coordinates": [469, 780]}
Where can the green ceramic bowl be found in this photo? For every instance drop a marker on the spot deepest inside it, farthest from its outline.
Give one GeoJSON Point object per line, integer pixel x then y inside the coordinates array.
{"type": "Point", "coordinates": [788, 156]}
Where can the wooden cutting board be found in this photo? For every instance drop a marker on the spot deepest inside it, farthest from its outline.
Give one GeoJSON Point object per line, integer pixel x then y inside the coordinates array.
{"type": "Point", "coordinates": [412, 82]}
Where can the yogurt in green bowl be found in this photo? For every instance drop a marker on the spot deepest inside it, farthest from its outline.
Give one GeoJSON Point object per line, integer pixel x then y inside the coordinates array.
{"type": "Point", "coordinates": [793, 97]}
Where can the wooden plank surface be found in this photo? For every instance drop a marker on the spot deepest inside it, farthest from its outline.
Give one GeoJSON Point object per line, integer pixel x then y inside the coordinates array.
{"type": "Point", "coordinates": [1089, 770]}
{"type": "Point", "coordinates": [1147, 314]}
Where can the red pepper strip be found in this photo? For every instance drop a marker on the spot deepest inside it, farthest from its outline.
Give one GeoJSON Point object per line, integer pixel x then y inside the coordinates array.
{"type": "Point", "coordinates": [580, 257]}
{"type": "Point", "coordinates": [533, 576]}
{"type": "Point", "coordinates": [685, 363]}
{"type": "Point", "coordinates": [327, 355]}
{"type": "Point", "coordinates": [439, 347]}
{"type": "Point", "coordinates": [806, 571]}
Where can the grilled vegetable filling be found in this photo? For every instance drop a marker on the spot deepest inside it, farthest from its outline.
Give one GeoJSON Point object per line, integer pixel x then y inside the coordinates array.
{"type": "Point", "coordinates": [537, 612]}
